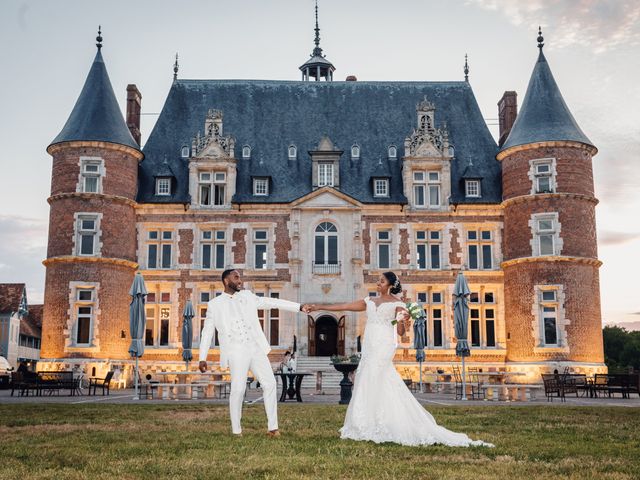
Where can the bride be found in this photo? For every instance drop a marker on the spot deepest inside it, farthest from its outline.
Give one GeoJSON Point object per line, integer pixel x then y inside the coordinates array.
{"type": "Point", "coordinates": [382, 409]}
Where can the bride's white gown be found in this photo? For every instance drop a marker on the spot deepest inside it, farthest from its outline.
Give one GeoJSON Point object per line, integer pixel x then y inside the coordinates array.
{"type": "Point", "coordinates": [382, 409]}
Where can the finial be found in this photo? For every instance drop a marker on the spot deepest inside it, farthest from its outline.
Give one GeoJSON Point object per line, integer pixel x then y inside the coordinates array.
{"type": "Point", "coordinates": [175, 68]}
{"type": "Point", "coordinates": [466, 69]}
{"type": "Point", "coordinates": [99, 38]}
{"type": "Point", "coordinates": [540, 38]}
{"type": "Point", "coordinates": [317, 51]}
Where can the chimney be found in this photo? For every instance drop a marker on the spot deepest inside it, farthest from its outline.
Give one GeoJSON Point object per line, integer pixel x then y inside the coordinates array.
{"type": "Point", "coordinates": [351, 78]}
{"type": "Point", "coordinates": [134, 103]}
{"type": "Point", "coordinates": [507, 111]}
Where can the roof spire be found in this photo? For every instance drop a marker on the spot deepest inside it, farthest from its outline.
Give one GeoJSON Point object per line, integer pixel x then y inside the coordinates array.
{"type": "Point", "coordinates": [466, 69]}
{"type": "Point", "coordinates": [540, 39]}
{"type": "Point", "coordinates": [175, 68]}
{"type": "Point", "coordinates": [317, 51]}
{"type": "Point", "coordinates": [99, 38]}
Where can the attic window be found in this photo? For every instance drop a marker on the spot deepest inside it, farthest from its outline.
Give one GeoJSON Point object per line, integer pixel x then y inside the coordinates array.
{"type": "Point", "coordinates": [380, 187]}
{"type": "Point", "coordinates": [472, 188]}
{"type": "Point", "coordinates": [185, 152]}
{"type": "Point", "coordinates": [246, 151]}
{"type": "Point", "coordinates": [163, 186]}
{"type": "Point", "coordinates": [452, 151]}
{"type": "Point", "coordinates": [261, 186]}
{"type": "Point", "coordinates": [392, 152]}
{"type": "Point", "coordinates": [293, 152]}
{"type": "Point", "coordinates": [355, 152]}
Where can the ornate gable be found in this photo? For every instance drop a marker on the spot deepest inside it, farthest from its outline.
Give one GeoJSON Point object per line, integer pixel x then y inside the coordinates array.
{"type": "Point", "coordinates": [213, 143]}
{"type": "Point", "coordinates": [426, 140]}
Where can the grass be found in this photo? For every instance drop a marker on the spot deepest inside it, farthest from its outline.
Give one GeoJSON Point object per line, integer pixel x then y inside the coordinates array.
{"type": "Point", "coordinates": [192, 441]}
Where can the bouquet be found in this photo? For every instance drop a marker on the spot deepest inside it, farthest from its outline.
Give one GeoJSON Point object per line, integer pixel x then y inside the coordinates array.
{"type": "Point", "coordinates": [414, 309]}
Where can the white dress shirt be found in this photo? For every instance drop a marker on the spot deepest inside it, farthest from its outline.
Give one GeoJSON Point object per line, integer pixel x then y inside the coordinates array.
{"type": "Point", "coordinates": [236, 319]}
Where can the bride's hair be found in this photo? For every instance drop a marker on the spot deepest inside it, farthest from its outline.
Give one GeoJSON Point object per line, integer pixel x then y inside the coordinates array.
{"type": "Point", "coordinates": [393, 280]}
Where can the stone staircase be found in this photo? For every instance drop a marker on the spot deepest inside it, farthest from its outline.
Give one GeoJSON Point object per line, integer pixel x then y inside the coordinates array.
{"type": "Point", "coordinates": [330, 376]}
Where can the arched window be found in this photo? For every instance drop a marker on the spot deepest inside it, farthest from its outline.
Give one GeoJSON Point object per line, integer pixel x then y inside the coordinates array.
{"type": "Point", "coordinates": [293, 152]}
{"type": "Point", "coordinates": [392, 152]}
{"type": "Point", "coordinates": [452, 151]}
{"type": "Point", "coordinates": [326, 244]}
{"type": "Point", "coordinates": [355, 151]}
{"type": "Point", "coordinates": [185, 152]}
{"type": "Point", "coordinates": [246, 151]}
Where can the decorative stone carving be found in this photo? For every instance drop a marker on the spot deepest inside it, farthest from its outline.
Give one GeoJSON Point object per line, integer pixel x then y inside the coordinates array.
{"type": "Point", "coordinates": [426, 140]}
{"type": "Point", "coordinates": [213, 143]}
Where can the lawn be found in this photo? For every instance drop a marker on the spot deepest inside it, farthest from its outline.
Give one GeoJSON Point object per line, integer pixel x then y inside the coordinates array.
{"type": "Point", "coordinates": [192, 441]}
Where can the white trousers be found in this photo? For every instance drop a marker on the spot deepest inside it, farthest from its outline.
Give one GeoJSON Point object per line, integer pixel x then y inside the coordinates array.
{"type": "Point", "coordinates": [243, 358]}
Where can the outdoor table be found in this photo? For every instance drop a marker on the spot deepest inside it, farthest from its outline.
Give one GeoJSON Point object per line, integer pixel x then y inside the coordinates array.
{"type": "Point", "coordinates": [184, 377]}
{"type": "Point", "coordinates": [294, 380]}
{"type": "Point", "coordinates": [497, 377]}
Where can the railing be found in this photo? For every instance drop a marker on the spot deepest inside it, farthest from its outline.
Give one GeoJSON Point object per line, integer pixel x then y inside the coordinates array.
{"type": "Point", "coordinates": [326, 268]}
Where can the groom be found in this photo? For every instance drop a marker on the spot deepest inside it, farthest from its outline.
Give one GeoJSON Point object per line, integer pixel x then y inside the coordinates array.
{"type": "Point", "coordinates": [243, 345]}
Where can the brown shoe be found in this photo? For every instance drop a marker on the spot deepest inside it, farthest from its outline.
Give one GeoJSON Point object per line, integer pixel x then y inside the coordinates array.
{"type": "Point", "coordinates": [273, 433]}
{"type": "Point", "coordinates": [237, 434]}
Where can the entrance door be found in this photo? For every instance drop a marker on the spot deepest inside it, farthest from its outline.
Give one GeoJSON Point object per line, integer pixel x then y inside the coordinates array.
{"type": "Point", "coordinates": [326, 336]}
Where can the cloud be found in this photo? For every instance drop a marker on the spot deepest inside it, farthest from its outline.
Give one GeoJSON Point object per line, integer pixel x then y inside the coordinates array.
{"type": "Point", "coordinates": [608, 237]}
{"type": "Point", "coordinates": [603, 24]}
{"type": "Point", "coordinates": [23, 246]}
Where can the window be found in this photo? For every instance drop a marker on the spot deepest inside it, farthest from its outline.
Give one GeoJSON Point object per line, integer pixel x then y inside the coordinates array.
{"type": "Point", "coordinates": [543, 175]}
{"type": "Point", "coordinates": [380, 187]}
{"type": "Point", "coordinates": [212, 245]}
{"type": "Point", "coordinates": [384, 249]}
{"type": "Point", "coordinates": [549, 316]}
{"type": "Point", "coordinates": [426, 189]}
{"type": "Point", "coordinates": [212, 188]}
{"type": "Point", "coordinates": [163, 186]}
{"type": "Point", "coordinates": [482, 316]}
{"type": "Point", "coordinates": [326, 247]}
{"type": "Point", "coordinates": [261, 186]}
{"type": "Point", "coordinates": [159, 246]}
{"type": "Point", "coordinates": [91, 175]}
{"type": "Point", "coordinates": [392, 152]}
{"type": "Point", "coordinates": [184, 153]}
{"type": "Point", "coordinates": [355, 152]}
{"type": "Point", "coordinates": [428, 249]}
{"type": "Point", "coordinates": [260, 239]}
{"type": "Point", "coordinates": [158, 321]}
{"type": "Point", "coordinates": [479, 250]}
{"type": "Point", "coordinates": [84, 308]}
{"type": "Point", "coordinates": [325, 174]}
{"type": "Point", "coordinates": [274, 323]}
{"type": "Point", "coordinates": [246, 152]}
{"type": "Point", "coordinates": [472, 188]}
{"type": "Point", "coordinates": [434, 313]}
{"type": "Point", "coordinates": [545, 230]}
{"type": "Point", "coordinates": [87, 235]}
{"type": "Point", "coordinates": [293, 152]}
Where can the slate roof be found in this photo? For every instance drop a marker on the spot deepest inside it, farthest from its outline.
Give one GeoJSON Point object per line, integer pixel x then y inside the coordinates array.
{"type": "Point", "coordinates": [270, 115]}
{"type": "Point", "coordinates": [544, 116]}
{"type": "Point", "coordinates": [31, 325]}
{"type": "Point", "coordinates": [10, 297]}
{"type": "Point", "coordinates": [96, 115]}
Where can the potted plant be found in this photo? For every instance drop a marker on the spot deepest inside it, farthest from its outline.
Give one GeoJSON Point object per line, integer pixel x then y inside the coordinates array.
{"type": "Point", "coordinates": [345, 365]}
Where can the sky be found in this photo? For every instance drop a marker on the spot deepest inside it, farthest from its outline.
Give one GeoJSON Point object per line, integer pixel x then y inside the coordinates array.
{"type": "Point", "coordinates": [46, 50]}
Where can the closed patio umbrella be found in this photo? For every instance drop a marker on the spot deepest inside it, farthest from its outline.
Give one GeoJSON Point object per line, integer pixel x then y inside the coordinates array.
{"type": "Point", "coordinates": [420, 341]}
{"type": "Point", "coordinates": [187, 332]}
{"type": "Point", "coordinates": [461, 294]}
{"type": "Point", "coordinates": [137, 323]}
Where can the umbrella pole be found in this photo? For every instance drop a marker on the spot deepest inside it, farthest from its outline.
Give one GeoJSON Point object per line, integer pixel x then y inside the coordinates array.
{"type": "Point", "coordinates": [420, 367]}
{"type": "Point", "coordinates": [136, 377]}
{"type": "Point", "coordinates": [464, 383]}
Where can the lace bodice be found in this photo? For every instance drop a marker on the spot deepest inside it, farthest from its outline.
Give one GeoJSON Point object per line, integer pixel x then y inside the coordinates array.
{"type": "Point", "coordinates": [382, 314]}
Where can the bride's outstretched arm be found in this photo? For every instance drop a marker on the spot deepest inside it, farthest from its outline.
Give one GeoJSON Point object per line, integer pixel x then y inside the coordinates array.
{"type": "Point", "coordinates": [357, 306]}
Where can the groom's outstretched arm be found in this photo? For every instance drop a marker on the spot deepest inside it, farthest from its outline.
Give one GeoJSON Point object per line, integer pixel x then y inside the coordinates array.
{"type": "Point", "coordinates": [270, 302]}
{"type": "Point", "coordinates": [206, 336]}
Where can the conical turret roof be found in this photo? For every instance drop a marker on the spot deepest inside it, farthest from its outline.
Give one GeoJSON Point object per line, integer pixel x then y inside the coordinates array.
{"type": "Point", "coordinates": [96, 115]}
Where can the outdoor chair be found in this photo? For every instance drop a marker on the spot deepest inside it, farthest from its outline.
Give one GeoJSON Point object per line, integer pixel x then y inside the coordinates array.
{"type": "Point", "coordinates": [24, 383]}
{"type": "Point", "coordinates": [553, 387]}
{"type": "Point", "coordinates": [458, 382]}
{"type": "Point", "coordinates": [477, 392]}
{"type": "Point", "coordinates": [600, 384]}
{"type": "Point", "coordinates": [104, 383]}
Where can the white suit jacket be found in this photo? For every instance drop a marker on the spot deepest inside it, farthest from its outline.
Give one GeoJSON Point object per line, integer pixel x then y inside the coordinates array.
{"type": "Point", "coordinates": [218, 317]}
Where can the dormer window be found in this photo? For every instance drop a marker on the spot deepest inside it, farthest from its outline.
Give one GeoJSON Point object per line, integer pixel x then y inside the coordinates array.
{"type": "Point", "coordinates": [355, 152]}
{"type": "Point", "coordinates": [325, 174]}
{"type": "Point", "coordinates": [472, 188]}
{"type": "Point", "coordinates": [246, 152]}
{"type": "Point", "coordinates": [261, 186]}
{"type": "Point", "coordinates": [212, 188]}
{"type": "Point", "coordinates": [426, 188]}
{"type": "Point", "coordinates": [392, 152]}
{"type": "Point", "coordinates": [452, 151]}
{"type": "Point", "coordinates": [380, 187]}
{"type": "Point", "coordinates": [293, 152]}
{"type": "Point", "coordinates": [163, 186]}
{"type": "Point", "coordinates": [184, 153]}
